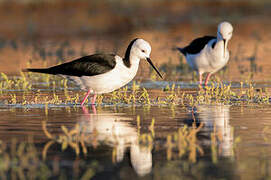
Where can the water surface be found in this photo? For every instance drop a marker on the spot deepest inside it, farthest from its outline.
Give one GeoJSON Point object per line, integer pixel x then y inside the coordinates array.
{"type": "Point", "coordinates": [232, 142]}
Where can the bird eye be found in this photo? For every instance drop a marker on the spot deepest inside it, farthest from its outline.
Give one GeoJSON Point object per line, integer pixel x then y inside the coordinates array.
{"type": "Point", "coordinates": [143, 51]}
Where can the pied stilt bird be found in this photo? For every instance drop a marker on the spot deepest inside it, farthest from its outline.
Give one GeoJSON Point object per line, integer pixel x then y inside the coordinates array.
{"type": "Point", "coordinates": [103, 73]}
{"type": "Point", "coordinates": [208, 53]}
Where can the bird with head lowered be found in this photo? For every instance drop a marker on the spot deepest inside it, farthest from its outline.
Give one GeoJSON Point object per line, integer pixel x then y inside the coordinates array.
{"type": "Point", "coordinates": [103, 73]}
{"type": "Point", "coordinates": [208, 54]}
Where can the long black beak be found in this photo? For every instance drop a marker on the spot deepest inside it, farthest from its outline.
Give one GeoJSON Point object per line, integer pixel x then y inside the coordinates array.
{"type": "Point", "coordinates": [149, 60]}
{"type": "Point", "coordinates": [224, 47]}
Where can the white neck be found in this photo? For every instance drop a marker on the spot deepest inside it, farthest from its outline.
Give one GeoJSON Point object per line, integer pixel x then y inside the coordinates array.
{"type": "Point", "coordinates": [134, 60]}
{"type": "Point", "coordinates": [220, 47]}
{"type": "Point", "coordinates": [134, 64]}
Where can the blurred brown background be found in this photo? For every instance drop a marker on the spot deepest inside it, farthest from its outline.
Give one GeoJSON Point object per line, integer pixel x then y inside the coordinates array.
{"type": "Point", "coordinates": [46, 32]}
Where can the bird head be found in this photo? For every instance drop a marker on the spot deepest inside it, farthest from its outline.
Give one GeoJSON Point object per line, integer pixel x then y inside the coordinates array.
{"type": "Point", "coordinates": [224, 32]}
{"type": "Point", "coordinates": [142, 50]}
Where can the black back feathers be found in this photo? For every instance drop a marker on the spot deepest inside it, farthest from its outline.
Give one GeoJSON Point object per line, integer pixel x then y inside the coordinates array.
{"type": "Point", "coordinates": [196, 45]}
{"type": "Point", "coordinates": [85, 66]}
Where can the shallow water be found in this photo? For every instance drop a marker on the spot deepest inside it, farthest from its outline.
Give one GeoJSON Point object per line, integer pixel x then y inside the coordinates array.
{"type": "Point", "coordinates": [232, 142]}
{"type": "Point", "coordinates": [42, 136]}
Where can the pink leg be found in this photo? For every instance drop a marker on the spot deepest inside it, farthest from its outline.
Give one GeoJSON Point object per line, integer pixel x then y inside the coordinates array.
{"type": "Point", "coordinates": [93, 99]}
{"type": "Point", "coordinates": [85, 111]}
{"type": "Point", "coordinates": [93, 108]}
{"type": "Point", "coordinates": [207, 79]}
{"type": "Point", "coordinates": [85, 98]}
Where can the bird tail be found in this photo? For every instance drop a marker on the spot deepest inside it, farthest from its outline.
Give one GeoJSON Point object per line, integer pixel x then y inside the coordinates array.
{"type": "Point", "coordinates": [45, 70]}
{"type": "Point", "coordinates": [179, 49]}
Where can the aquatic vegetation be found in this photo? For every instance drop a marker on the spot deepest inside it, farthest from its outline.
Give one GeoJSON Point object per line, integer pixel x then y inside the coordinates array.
{"type": "Point", "coordinates": [75, 138]}
{"type": "Point", "coordinates": [14, 83]}
{"type": "Point", "coordinates": [45, 89]}
{"type": "Point", "coordinates": [146, 139]}
{"type": "Point", "coordinates": [22, 160]}
{"type": "Point", "coordinates": [177, 144]}
{"type": "Point", "coordinates": [78, 137]}
{"type": "Point", "coordinates": [185, 142]}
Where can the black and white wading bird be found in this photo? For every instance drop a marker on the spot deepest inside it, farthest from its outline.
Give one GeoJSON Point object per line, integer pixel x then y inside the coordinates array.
{"type": "Point", "coordinates": [103, 73]}
{"type": "Point", "coordinates": [208, 54]}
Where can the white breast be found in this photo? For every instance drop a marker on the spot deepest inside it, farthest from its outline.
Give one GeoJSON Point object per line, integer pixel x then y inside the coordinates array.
{"type": "Point", "coordinates": [216, 57]}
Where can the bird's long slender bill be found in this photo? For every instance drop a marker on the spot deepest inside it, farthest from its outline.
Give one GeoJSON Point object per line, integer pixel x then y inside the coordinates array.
{"type": "Point", "coordinates": [149, 60]}
{"type": "Point", "coordinates": [225, 46]}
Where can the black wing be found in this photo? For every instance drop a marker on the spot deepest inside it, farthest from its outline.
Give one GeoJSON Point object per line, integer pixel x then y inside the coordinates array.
{"type": "Point", "coordinates": [196, 45]}
{"type": "Point", "coordinates": [85, 66]}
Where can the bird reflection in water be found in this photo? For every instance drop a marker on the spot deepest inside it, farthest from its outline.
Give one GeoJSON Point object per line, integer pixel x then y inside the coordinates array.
{"type": "Point", "coordinates": [216, 119]}
{"type": "Point", "coordinates": [115, 130]}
